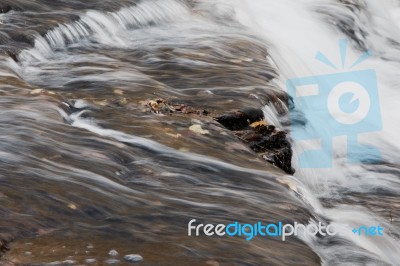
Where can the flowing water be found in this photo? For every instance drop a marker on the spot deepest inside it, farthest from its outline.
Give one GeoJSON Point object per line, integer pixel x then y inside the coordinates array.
{"type": "Point", "coordinates": [86, 168]}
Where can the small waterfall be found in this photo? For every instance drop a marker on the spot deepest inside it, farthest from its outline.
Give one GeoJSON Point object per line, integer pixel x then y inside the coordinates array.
{"type": "Point", "coordinates": [202, 46]}
{"type": "Point", "coordinates": [294, 32]}
{"type": "Point", "coordinates": [105, 27]}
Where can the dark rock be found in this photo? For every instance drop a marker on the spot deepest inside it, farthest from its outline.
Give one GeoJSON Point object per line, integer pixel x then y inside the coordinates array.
{"type": "Point", "coordinates": [242, 119]}
{"type": "Point", "coordinates": [5, 240]}
{"type": "Point", "coordinates": [248, 125]}
{"type": "Point", "coordinates": [5, 9]}
{"type": "Point", "coordinates": [271, 144]}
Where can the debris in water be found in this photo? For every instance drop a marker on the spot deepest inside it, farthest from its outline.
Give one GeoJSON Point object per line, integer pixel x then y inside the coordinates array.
{"type": "Point", "coordinates": [258, 124]}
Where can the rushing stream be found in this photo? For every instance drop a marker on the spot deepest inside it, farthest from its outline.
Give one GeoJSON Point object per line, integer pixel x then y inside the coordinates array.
{"type": "Point", "coordinates": [86, 168]}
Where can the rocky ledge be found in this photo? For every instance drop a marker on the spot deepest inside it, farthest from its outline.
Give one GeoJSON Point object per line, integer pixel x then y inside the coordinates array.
{"type": "Point", "coordinates": [248, 125]}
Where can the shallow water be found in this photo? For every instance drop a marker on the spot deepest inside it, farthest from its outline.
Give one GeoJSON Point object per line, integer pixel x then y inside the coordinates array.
{"type": "Point", "coordinates": [87, 168]}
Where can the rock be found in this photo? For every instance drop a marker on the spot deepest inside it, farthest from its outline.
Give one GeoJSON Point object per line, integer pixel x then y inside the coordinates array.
{"type": "Point", "coordinates": [72, 206]}
{"type": "Point", "coordinates": [251, 128]}
{"type": "Point", "coordinates": [113, 253]}
{"type": "Point", "coordinates": [36, 91]}
{"type": "Point", "coordinates": [242, 119]}
{"type": "Point", "coordinates": [198, 129]}
{"type": "Point", "coordinates": [247, 124]}
{"type": "Point", "coordinates": [90, 261]}
{"type": "Point", "coordinates": [5, 9]}
{"type": "Point", "coordinates": [61, 263]}
{"type": "Point", "coordinates": [133, 258]}
{"type": "Point", "coordinates": [112, 261]}
{"type": "Point", "coordinates": [118, 92]}
{"type": "Point", "coordinates": [212, 263]}
{"type": "Point", "coordinates": [160, 106]}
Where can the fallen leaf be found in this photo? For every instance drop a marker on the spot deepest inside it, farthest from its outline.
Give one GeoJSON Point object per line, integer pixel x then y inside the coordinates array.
{"type": "Point", "coordinates": [258, 123]}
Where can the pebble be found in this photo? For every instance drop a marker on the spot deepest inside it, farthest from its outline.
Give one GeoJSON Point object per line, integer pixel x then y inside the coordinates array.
{"type": "Point", "coordinates": [36, 91]}
{"type": "Point", "coordinates": [112, 261]}
{"type": "Point", "coordinates": [118, 91]}
{"type": "Point", "coordinates": [72, 206]}
{"type": "Point", "coordinates": [133, 258]}
{"type": "Point", "coordinates": [198, 129]}
{"type": "Point", "coordinates": [90, 261]}
{"type": "Point", "coordinates": [113, 253]}
{"type": "Point", "coordinates": [65, 262]}
{"type": "Point", "coordinates": [212, 263]}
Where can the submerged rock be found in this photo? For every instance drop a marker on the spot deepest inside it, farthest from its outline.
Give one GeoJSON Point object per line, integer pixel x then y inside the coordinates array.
{"type": "Point", "coordinates": [113, 253]}
{"type": "Point", "coordinates": [133, 258]}
{"type": "Point", "coordinates": [112, 261]}
{"type": "Point", "coordinates": [5, 8]}
{"type": "Point", "coordinates": [198, 129]}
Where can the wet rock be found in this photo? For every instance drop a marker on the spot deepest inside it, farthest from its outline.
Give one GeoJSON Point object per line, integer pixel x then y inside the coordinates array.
{"type": "Point", "coordinates": [60, 263]}
{"type": "Point", "coordinates": [212, 263]}
{"type": "Point", "coordinates": [240, 119]}
{"type": "Point", "coordinates": [112, 261]}
{"type": "Point", "coordinates": [270, 143]}
{"type": "Point", "coordinates": [113, 253]}
{"type": "Point", "coordinates": [160, 106]}
{"type": "Point", "coordinates": [4, 243]}
{"type": "Point", "coordinates": [247, 124]}
{"type": "Point", "coordinates": [5, 8]}
{"type": "Point", "coordinates": [133, 258]}
{"type": "Point", "coordinates": [198, 129]}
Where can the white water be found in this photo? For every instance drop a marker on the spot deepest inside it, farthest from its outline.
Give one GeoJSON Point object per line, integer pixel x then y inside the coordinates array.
{"type": "Point", "coordinates": [106, 28]}
{"type": "Point", "coordinates": [293, 32]}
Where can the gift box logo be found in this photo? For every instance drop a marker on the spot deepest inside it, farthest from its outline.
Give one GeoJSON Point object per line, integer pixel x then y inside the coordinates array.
{"type": "Point", "coordinates": [345, 103]}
